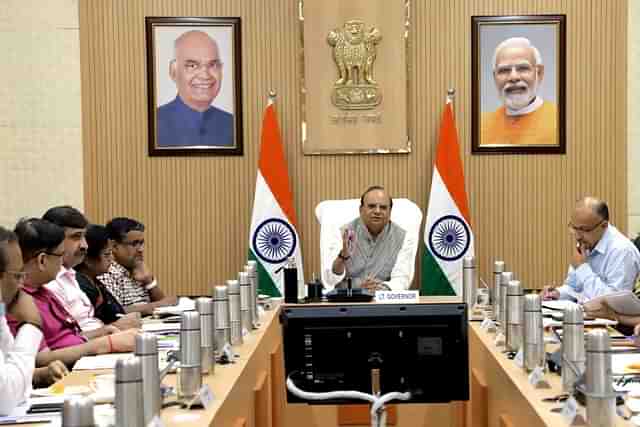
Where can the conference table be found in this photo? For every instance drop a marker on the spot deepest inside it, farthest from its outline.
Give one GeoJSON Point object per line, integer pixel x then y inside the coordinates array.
{"type": "Point", "coordinates": [251, 391]}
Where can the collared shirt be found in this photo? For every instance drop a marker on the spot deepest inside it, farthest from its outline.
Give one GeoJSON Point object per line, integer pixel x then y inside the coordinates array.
{"type": "Point", "coordinates": [17, 362]}
{"type": "Point", "coordinates": [107, 307]}
{"type": "Point", "coordinates": [59, 327]}
{"type": "Point", "coordinates": [66, 288]}
{"type": "Point", "coordinates": [179, 125]}
{"type": "Point", "coordinates": [399, 276]}
{"type": "Point", "coordinates": [124, 287]}
{"type": "Point", "coordinates": [613, 265]}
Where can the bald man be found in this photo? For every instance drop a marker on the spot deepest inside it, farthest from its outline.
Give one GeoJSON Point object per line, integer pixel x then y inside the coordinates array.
{"type": "Point", "coordinates": [190, 119]}
{"type": "Point", "coordinates": [604, 260]}
{"type": "Point", "coordinates": [525, 118]}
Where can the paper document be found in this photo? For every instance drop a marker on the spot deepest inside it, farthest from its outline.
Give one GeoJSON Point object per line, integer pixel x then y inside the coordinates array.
{"type": "Point", "coordinates": [556, 304]}
{"type": "Point", "coordinates": [101, 361]}
{"type": "Point", "coordinates": [623, 302]}
{"type": "Point", "coordinates": [184, 304]}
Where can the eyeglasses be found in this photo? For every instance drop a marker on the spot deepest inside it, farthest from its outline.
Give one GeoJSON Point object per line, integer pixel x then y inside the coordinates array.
{"type": "Point", "coordinates": [106, 254]}
{"type": "Point", "coordinates": [573, 229]}
{"type": "Point", "coordinates": [53, 254]}
{"type": "Point", "coordinates": [19, 276]}
{"type": "Point", "coordinates": [134, 243]}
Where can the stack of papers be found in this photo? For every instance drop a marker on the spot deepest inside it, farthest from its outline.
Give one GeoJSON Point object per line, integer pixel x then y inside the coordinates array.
{"type": "Point", "coordinates": [101, 361]}
{"type": "Point", "coordinates": [184, 304]}
{"type": "Point", "coordinates": [623, 302]}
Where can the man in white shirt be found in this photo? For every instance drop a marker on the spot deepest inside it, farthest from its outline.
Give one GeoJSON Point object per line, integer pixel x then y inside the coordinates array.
{"type": "Point", "coordinates": [604, 260]}
{"type": "Point", "coordinates": [17, 356]}
{"type": "Point", "coordinates": [65, 286]}
{"type": "Point", "coordinates": [371, 251]}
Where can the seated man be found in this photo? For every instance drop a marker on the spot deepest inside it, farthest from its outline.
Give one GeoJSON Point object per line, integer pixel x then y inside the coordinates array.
{"type": "Point", "coordinates": [372, 251]}
{"type": "Point", "coordinates": [17, 357]}
{"type": "Point", "coordinates": [604, 260]}
{"type": "Point", "coordinates": [42, 245]}
{"type": "Point", "coordinates": [65, 286]}
{"type": "Point", "coordinates": [128, 278]}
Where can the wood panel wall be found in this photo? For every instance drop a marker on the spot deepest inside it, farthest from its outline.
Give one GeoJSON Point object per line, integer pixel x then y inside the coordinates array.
{"type": "Point", "coordinates": [198, 209]}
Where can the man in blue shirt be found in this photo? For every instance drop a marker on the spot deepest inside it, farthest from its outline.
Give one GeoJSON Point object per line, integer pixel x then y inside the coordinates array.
{"type": "Point", "coordinates": [190, 119]}
{"type": "Point", "coordinates": [604, 260]}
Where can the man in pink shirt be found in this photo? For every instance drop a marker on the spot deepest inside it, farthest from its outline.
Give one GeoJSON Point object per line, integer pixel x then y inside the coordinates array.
{"type": "Point", "coordinates": [65, 286]}
{"type": "Point", "coordinates": [42, 245]}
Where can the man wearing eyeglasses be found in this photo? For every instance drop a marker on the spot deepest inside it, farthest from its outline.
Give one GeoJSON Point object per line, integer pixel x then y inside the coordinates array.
{"type": "Point", "coordinates": [603, 261]}
{"type": "Point", "coordinates": [129, 279]}
{"type": "Point", "coordinates": [42, 246]}
{"type": "Point", "coordinates": [190, 119]}
{"type": "Point", "coordinates": [525, 118]}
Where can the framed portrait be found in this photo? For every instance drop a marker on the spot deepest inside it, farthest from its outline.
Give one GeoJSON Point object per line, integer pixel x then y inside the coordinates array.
{"type": "Point", "coordinates": [194, 86]}
{"type": "Point", "coordinates": [518, 84]}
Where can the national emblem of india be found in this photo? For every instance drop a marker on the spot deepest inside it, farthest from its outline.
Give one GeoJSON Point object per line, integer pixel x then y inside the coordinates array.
{"type": "Point", "coordinates": [354, 52]}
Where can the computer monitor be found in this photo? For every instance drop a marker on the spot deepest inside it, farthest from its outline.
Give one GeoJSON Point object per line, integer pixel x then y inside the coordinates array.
{"type": "Point", "coordinates": [419, 348]}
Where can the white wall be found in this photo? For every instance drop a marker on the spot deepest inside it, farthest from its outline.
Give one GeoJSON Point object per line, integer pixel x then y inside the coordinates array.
{"type": "Point", "coordinates": [40, 132]}
{"type": "Point", "coordinates": [633, 117]}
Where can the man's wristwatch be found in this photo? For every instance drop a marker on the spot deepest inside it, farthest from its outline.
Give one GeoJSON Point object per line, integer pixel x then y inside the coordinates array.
{"type": "Point", "coordinates": [344, 258]}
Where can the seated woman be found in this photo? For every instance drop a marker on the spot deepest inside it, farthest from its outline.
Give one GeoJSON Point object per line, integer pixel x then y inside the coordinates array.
{"type": "Point", "coordinates": [97, 261]}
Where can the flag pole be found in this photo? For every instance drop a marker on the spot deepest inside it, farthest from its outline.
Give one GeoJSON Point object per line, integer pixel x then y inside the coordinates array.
{"type": "Point", "coordinates": [272, 96]}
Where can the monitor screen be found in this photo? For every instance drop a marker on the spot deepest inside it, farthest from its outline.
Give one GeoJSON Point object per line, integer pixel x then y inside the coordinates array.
{"type": "Point", "coordinates": [418, 348]}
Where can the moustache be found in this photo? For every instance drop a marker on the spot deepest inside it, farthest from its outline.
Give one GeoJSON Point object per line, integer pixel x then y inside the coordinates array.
{"type": "Point", "coordinates": [510, 87]}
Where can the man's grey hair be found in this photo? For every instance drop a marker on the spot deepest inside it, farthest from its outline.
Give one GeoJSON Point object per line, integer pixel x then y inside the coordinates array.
{"type": "Point", "coordinates": [521, 42]}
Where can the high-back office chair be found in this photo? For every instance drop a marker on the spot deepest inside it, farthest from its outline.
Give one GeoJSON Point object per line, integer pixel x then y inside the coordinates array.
{"type": "Point", "coordinates": [333, 214]}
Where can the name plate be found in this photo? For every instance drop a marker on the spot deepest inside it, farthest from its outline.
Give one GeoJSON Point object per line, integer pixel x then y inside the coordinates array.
{"type": "Point", "coordinates": [396, 297]}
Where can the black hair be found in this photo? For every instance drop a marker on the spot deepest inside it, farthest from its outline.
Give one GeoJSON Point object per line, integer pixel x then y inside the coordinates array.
{"type": "Point", "coordinates": [601, 209]}
{"type": "Point", "coordinates": [37, 235]}
{"type": "Point", "coordinates": [97, 239]}
{"type": "Point", "coordinates": [66, 216]}
{"type": "Point", "coordinates": [6, 236]}
{"type": "Point", "coordinates": [118, 228]}
{"type": "Point", "coordinates": [373, 188]}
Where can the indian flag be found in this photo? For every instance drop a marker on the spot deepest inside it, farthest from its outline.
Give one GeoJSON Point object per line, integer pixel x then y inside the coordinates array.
{"type": "Point", "coordinates": [448, 236]}
{"type": "Point", "coordinates": [273, 239]}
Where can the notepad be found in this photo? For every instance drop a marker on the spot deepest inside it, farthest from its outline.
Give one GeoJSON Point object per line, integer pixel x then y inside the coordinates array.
{"type": "Point", "coordinates": [184, 304]}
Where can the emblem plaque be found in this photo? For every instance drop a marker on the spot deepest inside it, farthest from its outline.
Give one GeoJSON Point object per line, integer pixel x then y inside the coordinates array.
{"type": "Point", "coordinates": [354, 53]}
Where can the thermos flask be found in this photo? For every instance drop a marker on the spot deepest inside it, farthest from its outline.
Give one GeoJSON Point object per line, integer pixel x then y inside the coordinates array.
{"type": "Point", "coordinates": [204, 306]}
{"type": "Point", "coordinates": [235, 321]}
{"type": "Point", "coordinates": [77, 411]}
{"type": "Point", "coordinates": [573, 357]}
{"type": "Point", "coordinates": [601, 399]}
{"type": "Point", "coordinates": [533, 349]}
{"type": "Point", "coordinates": [190, 370]}
{"type": "Point", "coordinates": [515, 316]}
{"type": "Point", "coordinates": [128, 403]}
